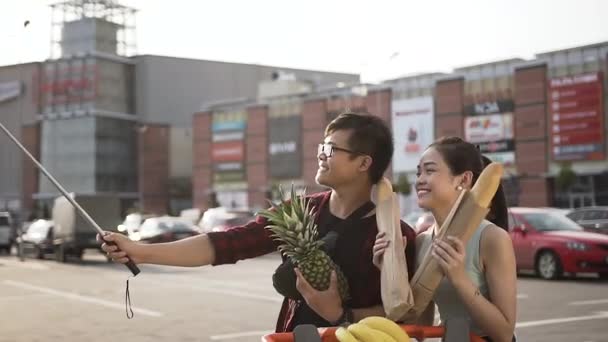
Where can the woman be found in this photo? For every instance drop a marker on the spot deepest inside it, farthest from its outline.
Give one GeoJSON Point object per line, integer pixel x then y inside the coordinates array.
{"type": "Point", "coordinates": [480, 277]}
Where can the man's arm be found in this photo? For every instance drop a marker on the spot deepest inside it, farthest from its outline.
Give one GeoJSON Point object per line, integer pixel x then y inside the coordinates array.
{"type": "Point", "coordinates": [328, 304]}
{"type": "Point", "coordinates": [239, 243]}
{"type": "Point", "coordinates": [194, 251]}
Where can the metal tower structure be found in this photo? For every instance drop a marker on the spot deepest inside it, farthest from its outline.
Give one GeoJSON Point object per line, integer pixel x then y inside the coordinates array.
{"type": "Point", "coordinates": [103, 18]}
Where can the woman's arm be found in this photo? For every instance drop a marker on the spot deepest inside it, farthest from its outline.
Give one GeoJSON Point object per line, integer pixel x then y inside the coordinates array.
{"type": "Point", "coordinates": [496, 317]}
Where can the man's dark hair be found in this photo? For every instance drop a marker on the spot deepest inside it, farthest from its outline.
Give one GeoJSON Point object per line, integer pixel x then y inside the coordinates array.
{"type": "Point", "coordinates": [370, 136]}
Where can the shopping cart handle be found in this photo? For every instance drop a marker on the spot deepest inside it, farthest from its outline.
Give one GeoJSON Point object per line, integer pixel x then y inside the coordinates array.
{"type": "Point", "coordinates": [328, 334]}
{"type": "Point", "coordinates": [306, 333]}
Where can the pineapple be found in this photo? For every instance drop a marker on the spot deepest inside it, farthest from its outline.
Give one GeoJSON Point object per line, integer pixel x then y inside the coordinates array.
{"type": "Point", "coordinates": [293, 225]}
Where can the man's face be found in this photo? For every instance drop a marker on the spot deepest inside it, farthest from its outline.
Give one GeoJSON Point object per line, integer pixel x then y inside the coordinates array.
{"type": "Point", "coordinates": [336, 163]}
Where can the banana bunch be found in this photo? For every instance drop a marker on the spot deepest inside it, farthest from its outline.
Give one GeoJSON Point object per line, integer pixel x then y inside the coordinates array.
{"type": "Point", "coordinates": [372, 329]}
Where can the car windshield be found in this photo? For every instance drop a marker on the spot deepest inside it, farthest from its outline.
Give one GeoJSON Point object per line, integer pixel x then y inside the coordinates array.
{"type": "Point", "coordinates": [548, 221]}
{"type": "Point", "coordinates": [4, 221]}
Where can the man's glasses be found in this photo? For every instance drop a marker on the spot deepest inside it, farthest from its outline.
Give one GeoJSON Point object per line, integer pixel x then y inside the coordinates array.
{"type": "Point", "coordinates": [328, 150]}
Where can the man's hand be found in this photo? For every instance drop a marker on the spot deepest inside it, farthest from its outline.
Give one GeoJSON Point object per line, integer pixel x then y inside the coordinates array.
{"type": "Point", "coordinates": [122, 248]}
{"type": "Point", "coordinates": [326, 304]}
{"type": "Point", "coordinates": [380, 246]}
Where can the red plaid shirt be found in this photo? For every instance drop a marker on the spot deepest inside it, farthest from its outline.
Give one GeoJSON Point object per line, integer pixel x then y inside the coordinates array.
{"type": "Point", "coordinates": [253, 240]}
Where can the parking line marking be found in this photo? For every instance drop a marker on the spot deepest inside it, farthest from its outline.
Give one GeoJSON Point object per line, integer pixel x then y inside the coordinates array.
{"type": "Point", "coordinates": [31, 264]}
{"type": "Point", "coordinates": [81, 298]}
{"type": "Point", "coordinates": [231, 292]}
{"type": "Point", "coordinates": [19, 297]}
{"type": "Point", "coordinates": [598, 315]}
{"type": "Point", "coordinates": [589, 302]}
{"type": "Point", "coordinates": [239, 335]}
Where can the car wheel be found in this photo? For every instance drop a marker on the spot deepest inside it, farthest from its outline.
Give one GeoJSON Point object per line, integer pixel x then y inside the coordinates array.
{"type": "Point", "coordinates": [79, 253]}
{"type": "Point", "coordinates": [39, 253]}
{"type": "Point", "coordinates": [603, 275]}
{"type": "Point", "coordinates": [60, 253]}
{"type": "Point", "coordinates": [548, 266]}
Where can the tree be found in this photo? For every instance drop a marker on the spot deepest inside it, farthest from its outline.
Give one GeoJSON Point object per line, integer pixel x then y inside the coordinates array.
{"type": "Point", "coordinates": [403, 185]}
{"type": "Point", "coordinates": [565, 178]}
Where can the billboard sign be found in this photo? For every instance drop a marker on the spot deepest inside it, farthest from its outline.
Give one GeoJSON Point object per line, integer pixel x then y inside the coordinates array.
{"type": "Point", "coordinates": [488, 128]}
{"type": "Point", "coordinates": [228, 146]}
{"type": "Point", "coordinates": [576, 117]}
{"type": "Point", "coordinates": [492, 130]}
{"type": "Point", "coordinates": [285, 147]}
{"type": "Point", "coordinates": [413, 131]}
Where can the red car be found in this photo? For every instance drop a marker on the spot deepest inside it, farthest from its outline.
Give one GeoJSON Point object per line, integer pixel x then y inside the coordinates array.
{"type": "Point", "coordinates": [551, 244]}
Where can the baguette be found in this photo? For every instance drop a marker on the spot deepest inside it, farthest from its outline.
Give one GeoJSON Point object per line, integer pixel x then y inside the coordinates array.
{"type": "Point", "coordinates": [397, 297]}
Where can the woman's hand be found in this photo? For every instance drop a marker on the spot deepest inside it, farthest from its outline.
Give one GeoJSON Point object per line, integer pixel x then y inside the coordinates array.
{"type": "Point", "coordinates": [450, 255]}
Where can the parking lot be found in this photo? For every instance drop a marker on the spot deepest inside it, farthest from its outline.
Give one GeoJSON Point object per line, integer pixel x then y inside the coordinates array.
{"type": "Point", "coordinates": [47, 301]}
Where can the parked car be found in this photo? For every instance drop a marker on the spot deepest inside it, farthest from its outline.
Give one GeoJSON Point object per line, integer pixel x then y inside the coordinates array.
{"type": "Point", "coordinates": [593, 219]}
{"type": "Point", "coordinates": [424, 222]}
{"type": "Point", "coordinates": [420, 221]}
{"type": "Point", "coordinates": [551, 244]}
{"type": "Point", "coordinates": [163, 229]}
{"type": "Point", "coordinates": [560, 211]}
{"type": "Point", "coordinates": [38, 238]}
{"type": "Point", "coordinates": [222, 219]}
{"type": "Point", "coordinates": [412, 217]}
{"type": "Point", "coordinates": [6, 232]}
{"type": "Point", "coordinates": [132, 223]}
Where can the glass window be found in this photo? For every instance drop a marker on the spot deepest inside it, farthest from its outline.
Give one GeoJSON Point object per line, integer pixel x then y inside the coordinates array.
{"type": "Point", "coordinates": [4, 221]}
{"type": "Point", "coordinates": [512, 221]}
{"type": "Point", "coordinates": [546, 221]}
{"type": "Point", "coordinates": [590, 215]}
{"type": "Point", "coordinates": [575, 216]}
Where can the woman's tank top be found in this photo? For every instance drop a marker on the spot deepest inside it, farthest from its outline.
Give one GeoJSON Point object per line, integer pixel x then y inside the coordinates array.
{"type": "Point", "coordinates": [446, 297]}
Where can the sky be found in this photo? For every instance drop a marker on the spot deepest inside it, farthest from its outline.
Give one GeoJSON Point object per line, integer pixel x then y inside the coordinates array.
{"type": "Point", "coordinates": [378, 39]}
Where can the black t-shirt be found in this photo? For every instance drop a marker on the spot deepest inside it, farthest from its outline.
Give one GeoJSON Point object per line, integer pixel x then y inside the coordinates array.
{"type": "Point", "coordinates": [346, 255]}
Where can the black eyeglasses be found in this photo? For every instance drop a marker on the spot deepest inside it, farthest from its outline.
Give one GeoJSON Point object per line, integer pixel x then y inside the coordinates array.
{"type": "Point", "coordinates": [328, 150]}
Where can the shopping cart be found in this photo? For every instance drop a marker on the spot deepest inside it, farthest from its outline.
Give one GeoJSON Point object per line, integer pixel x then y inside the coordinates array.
{"type": "Point", "coordinates": [414, 331]}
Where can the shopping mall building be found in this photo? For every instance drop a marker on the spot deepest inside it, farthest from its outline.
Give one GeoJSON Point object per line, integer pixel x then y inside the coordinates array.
{"type": "Point", "coordinates": [111, 124]}
{"type": "Point", "coordinates": [545, 119]}
{"type": "Point", "coordinates": [161, 134]}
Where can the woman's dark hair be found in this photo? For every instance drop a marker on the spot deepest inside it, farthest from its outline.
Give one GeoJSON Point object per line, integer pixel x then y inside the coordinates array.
{"type": "Point", "coordinates": [461, 156]}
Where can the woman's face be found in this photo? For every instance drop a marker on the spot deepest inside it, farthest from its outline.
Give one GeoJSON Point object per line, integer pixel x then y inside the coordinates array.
{"type": "Point", "coordinates": [436, 186]}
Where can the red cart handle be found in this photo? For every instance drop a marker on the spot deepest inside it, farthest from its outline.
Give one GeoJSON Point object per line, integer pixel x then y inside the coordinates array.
{"type": "Point", "coordinates": [414, 331]}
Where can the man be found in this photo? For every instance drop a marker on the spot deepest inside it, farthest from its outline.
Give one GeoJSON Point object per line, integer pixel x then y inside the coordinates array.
{"type": "Point", "coordinates": [354, 155]}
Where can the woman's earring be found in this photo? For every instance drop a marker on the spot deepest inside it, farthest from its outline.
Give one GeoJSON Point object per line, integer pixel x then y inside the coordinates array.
{"type": "Point", "coordinates": [459, 188]}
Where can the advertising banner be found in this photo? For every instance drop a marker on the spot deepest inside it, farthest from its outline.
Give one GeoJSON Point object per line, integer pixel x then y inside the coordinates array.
{"type": "Point", "coordinates": [228, 146]}
{"type": "Point", "coordinates": [576, 117]}
{"type": "Point", "coordinates": [488, 128]}
{"type": "Point", "coordinates": [489, 125]}
{"type": "Point", "coordinates": [285, 147]}
{"type": "Point", "coordinates": [413, 131]}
